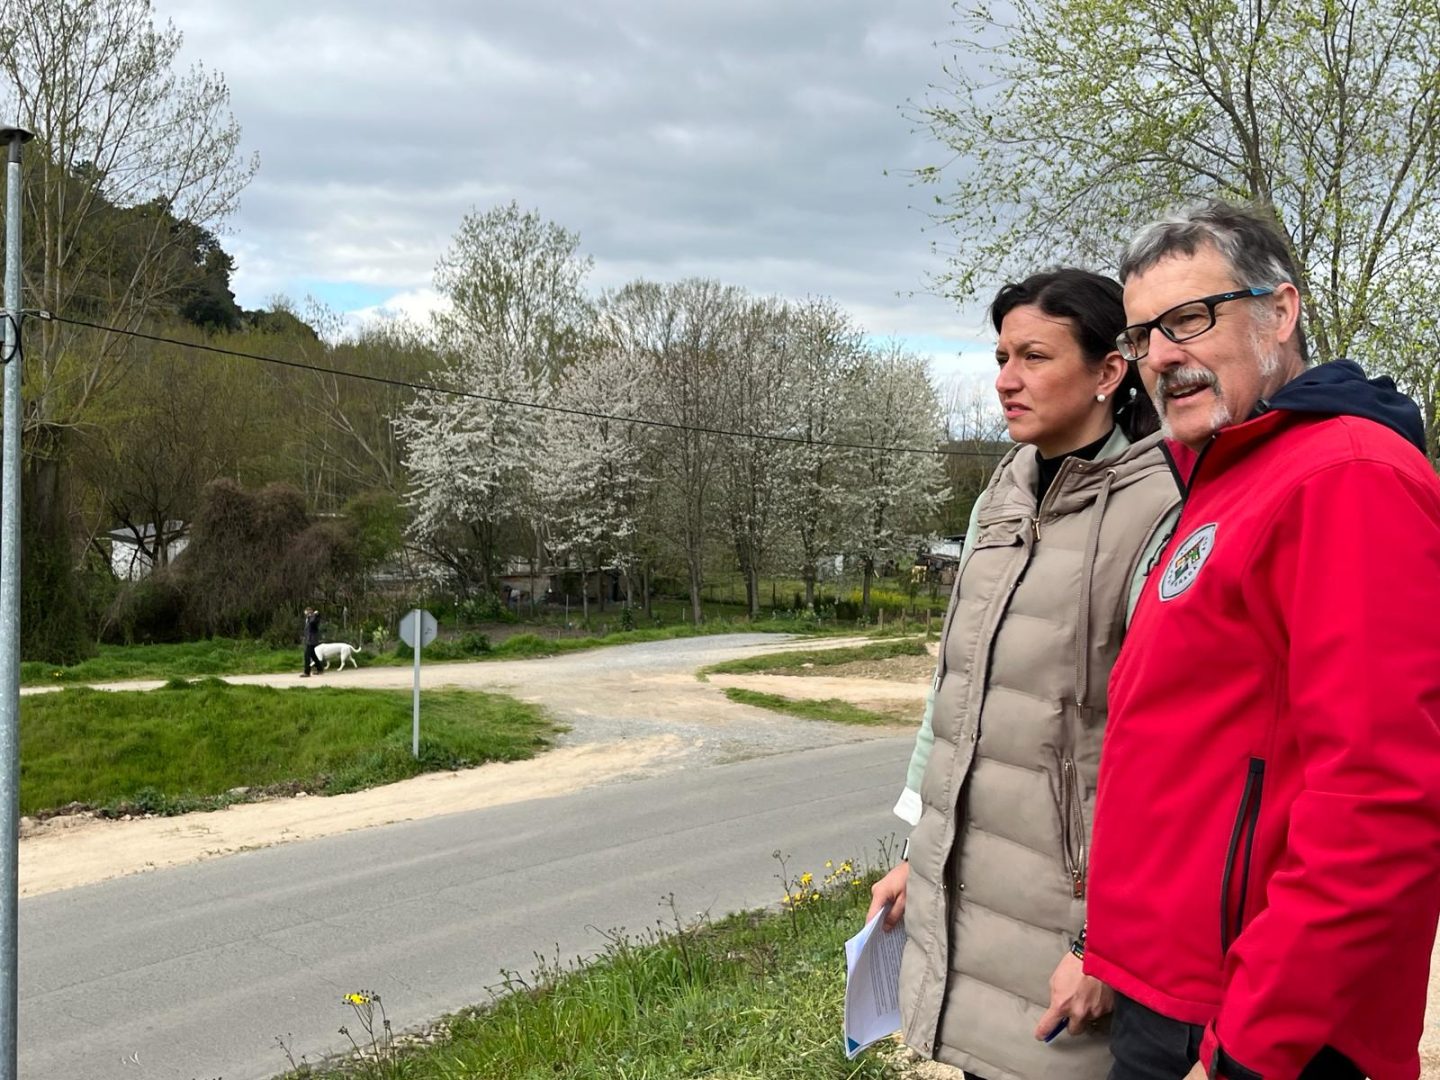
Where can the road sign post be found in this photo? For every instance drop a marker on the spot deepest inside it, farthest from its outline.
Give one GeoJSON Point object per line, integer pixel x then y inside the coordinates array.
{"type": "Point", "coordinates": [417, 629]}
{"type": "Point", "coordinates": [10, 615]}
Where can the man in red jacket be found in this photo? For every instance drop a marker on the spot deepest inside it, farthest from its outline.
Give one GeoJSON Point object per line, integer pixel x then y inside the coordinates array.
{"type": "Point", "coordinates": [1265, 878]}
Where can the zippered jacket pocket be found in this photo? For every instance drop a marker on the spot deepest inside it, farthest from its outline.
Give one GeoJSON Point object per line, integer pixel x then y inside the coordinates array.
{"type": "Point", "coordinates": [1247, 817]}
{"type": "Point", "coordinates": [1072, 826]}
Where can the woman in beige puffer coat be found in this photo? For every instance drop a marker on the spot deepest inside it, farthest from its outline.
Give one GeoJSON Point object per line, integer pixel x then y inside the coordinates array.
{"type": "Point", "coordinates": [993, 892]}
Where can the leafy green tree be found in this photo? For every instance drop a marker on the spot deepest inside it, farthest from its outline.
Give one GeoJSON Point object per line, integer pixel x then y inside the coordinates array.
{"type": "Point", "coordinates": [1067, 123]}
{"type": "Point", "coordinates": [132, 154]}
{"type": "Point", "coordinates": [517, 281]}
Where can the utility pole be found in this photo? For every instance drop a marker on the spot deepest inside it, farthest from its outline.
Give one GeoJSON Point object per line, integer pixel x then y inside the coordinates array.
{"type": "Point", "coordinates": [15, 138]}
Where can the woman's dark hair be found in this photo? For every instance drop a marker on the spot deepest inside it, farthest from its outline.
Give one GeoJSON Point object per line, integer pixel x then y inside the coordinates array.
{"type": "Point", "coordinates": [1095, 308]}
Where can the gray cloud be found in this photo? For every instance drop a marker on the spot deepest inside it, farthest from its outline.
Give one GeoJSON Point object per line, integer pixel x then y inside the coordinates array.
{"type": "Point", "coordinates": [742, 140]}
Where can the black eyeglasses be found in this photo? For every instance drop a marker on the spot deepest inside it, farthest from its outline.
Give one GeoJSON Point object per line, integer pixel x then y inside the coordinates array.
{"type": "Point", "coordinates": [1181, 322]}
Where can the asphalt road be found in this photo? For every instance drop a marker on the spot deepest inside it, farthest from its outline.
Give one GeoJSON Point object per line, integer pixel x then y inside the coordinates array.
{"type": "Point", "coordinates": [191, 973]}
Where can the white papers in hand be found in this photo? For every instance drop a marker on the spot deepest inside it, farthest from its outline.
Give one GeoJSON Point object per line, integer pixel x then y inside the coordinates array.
{"type": "Point", "coordinates": [872, 983]}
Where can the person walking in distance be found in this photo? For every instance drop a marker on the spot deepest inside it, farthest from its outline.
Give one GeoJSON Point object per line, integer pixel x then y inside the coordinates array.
{"type": "Point", "coordinates": [312, 638]}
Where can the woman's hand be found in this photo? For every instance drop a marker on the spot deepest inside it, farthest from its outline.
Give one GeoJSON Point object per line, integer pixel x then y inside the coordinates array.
{"type": "Point", "coordinates": [890, 889]}
{"type": "Point", "coordinates": [1076, 996]}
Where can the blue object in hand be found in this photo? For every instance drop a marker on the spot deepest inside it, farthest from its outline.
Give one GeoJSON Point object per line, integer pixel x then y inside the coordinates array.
{"type": "Point", "coordinates": [1058, 1029]}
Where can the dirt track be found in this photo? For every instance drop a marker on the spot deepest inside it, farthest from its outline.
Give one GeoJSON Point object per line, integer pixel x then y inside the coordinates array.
{"type": "Point", "coordinates": [632, 711]}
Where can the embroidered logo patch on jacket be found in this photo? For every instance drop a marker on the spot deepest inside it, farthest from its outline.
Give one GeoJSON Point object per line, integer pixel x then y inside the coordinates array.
{"type": "Point", "coordinates": [1186, 563]}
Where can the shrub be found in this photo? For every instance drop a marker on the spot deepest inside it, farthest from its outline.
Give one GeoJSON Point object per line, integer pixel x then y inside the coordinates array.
{"type": "Point", "coordinates": [147, 612]}
{"type": "Point", "coordinates": [473, 644]}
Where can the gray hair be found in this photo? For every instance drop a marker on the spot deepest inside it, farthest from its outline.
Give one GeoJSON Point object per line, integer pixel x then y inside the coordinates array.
{"type": "Point", "coordinates": [1248, 237]}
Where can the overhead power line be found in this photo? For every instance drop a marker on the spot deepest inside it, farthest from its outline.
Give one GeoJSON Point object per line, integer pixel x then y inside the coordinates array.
{"type": "Point", "coordinates": [497, 399]}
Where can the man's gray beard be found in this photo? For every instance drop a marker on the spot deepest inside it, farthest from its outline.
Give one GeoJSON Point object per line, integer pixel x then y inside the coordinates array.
{"type": "Point", "coordinates": [1219, 418]}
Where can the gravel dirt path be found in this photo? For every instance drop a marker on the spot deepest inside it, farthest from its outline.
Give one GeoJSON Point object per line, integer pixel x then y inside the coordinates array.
{"type": "Point", "coordinates": [632, 711]}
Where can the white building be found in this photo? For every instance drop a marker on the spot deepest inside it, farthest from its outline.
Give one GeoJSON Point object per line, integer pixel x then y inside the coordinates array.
{"type": "Point", "coordinates": [130, 550]}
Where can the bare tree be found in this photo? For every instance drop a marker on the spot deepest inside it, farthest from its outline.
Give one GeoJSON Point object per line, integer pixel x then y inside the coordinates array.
{"type": "Point", "coordinates": [682, 333]}
{"type": "Point", "coordinates": [132, 167]}
{"type": "Point", "coordinates": [975, 438]}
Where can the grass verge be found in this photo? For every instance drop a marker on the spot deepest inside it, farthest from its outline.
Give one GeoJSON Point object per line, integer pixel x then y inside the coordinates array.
{"type": "Point", "coordinates": [189, 745]}
{"type": "Point", "coordinates": [789, 661]}
{"type": "Point", "coordinates": [224, 656]}
{"type": "Point", "coordinates": [215, 656]}
{"type": "Point", "coordinates": [832, 709]}
{"type": "Point", "coordinates": [750, 996]}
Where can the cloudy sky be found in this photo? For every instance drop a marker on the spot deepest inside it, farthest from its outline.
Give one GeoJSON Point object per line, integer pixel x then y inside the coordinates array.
{"type": "Point", "coordinates": [760, 143]}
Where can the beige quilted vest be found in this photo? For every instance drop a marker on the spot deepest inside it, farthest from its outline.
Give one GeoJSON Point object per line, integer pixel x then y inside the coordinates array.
{"type": "Point", "coordinates": [997, 862]}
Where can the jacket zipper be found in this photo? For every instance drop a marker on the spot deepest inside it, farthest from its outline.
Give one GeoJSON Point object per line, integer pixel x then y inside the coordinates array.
{"type": "Point", "coordinates": [1073, 827]}
{"type": "Point", "coordinates": [1247, 817]}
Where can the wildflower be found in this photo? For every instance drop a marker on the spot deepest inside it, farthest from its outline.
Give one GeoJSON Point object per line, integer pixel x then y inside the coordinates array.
{"type": "Point", "coordinates": [806, 879]}
{"type": "Point", "coordinates": [828, 864]}
{"type": "Point", "coordinates": [361, 998]}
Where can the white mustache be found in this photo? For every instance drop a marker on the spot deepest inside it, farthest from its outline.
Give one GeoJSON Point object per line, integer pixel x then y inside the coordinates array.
{"type": "Point", "coordinates": [1183, 379]}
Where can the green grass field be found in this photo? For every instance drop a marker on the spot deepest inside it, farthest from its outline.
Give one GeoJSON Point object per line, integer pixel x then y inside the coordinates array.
{"type": "Point", "coordinates": [226, 656]}
{"type": "Point", "coordinates": [756, 995]}
{"type": "Point", "coordinates": [185, 746]}
{"type": "Point", "coordinates": [832, 709]}
{"type": "Point", "coordinates": [792, 660]}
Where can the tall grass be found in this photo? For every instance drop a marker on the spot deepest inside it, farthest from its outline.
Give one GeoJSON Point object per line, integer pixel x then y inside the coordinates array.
{"type": "Point", "coordinates": [187, 745]}
{"type": "Point", "coordinates": [756, 995]}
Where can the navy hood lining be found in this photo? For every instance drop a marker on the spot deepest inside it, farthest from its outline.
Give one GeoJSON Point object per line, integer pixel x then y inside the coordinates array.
{"type": "Point", "coordinates": [1340, 388]}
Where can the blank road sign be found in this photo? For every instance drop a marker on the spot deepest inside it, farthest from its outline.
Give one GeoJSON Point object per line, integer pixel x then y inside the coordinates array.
{"type": "Point", "coordinates": [428, 628]}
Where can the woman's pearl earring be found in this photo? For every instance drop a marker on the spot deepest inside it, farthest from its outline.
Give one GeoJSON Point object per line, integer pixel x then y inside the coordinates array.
{"type": "Point", "coordinates": [1099, 397]}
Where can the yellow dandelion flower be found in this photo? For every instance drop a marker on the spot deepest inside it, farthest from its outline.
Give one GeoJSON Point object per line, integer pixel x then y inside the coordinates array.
{"type": "Point", "coordinates": [357, 999]}
{"type": "Point", "coordinates": [806, 879]}
{"type": "Point", "coordinates": [828, 864]}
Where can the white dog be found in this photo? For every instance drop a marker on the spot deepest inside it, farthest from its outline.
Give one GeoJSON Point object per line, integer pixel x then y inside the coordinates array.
{"type": "Point", "coordinates": [330, 651]}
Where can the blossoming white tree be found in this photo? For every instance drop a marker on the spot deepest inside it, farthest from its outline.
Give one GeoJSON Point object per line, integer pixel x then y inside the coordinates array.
{"type": "Point", "coordinates": [594, 475]}
{"type": "Point", "coordinates": [892, 403]}
{"type": "Point", "coordinates": [765, 397]}
{"type": "Point", "coordinates": [827, 353]}
{"type": "Point", "coordinates": [517, 316]}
